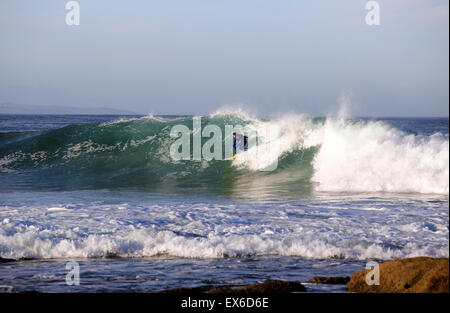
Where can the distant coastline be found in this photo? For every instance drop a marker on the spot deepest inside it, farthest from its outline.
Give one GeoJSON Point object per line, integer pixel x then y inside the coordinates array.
{"type": "Point", "coordinates": [27, 109]}
{"type": "Point", "coordinates": [13, 108]}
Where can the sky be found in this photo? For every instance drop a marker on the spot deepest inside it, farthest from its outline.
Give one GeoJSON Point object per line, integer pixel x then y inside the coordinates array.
{"type": "Point", "coordinates": [196, 56]}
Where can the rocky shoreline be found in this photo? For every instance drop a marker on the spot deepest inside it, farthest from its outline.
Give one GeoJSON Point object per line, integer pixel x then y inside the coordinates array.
{"type": "Point", "coordinates": [272, 286]}
{"type": "Point", "coordinates": [408, 275]}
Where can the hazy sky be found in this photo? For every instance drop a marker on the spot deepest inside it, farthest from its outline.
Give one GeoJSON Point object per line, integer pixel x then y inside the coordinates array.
{"type": "Point", "coordinates": [194, 56]}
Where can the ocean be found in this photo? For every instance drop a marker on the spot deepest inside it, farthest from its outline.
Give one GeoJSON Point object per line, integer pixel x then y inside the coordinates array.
{"type": "Point", "coordinates": [103, 191]}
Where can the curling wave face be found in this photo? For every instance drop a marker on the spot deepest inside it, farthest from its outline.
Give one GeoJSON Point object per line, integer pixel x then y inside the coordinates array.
{"type": "Point", "coordinates": [321, 154]}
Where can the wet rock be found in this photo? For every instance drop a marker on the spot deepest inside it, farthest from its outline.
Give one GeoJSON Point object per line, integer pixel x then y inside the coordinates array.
{"type": "Point", "coordinates": [329, 280]}
{"type": "Point", "coordinates": [272, 286]}
{"type": "Point", "coordinates": [415, 275]}
{"type": "Point", "coordinates": [186, 290]}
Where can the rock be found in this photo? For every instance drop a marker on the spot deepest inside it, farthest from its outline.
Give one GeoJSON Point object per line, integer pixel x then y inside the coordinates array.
{"type": "Point", "coordinates": [415, 275]}
{"type": "Point", "coordinates": [272, 286]}
{"type": "Point", "coordinates": [329, 280]}
{"type": "Point", "coordinates": [186, 290]}
{"type": "Point", "coordinates": [221, 289]}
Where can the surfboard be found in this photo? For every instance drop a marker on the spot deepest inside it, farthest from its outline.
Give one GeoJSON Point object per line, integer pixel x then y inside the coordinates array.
{"type": "Point", "coordinates": [229, 159]}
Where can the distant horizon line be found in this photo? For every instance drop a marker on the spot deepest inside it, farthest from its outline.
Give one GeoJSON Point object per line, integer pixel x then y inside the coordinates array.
{"type": "Point", "coordinates": [189, 115]}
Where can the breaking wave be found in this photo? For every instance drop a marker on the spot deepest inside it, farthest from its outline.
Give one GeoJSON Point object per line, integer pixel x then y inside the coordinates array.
{"type": "Point", "coordinates": [321, 154]}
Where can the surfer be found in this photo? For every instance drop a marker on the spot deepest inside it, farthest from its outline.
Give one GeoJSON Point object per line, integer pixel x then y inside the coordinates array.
{"type": "Point", "coordinates": [240, 143]}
